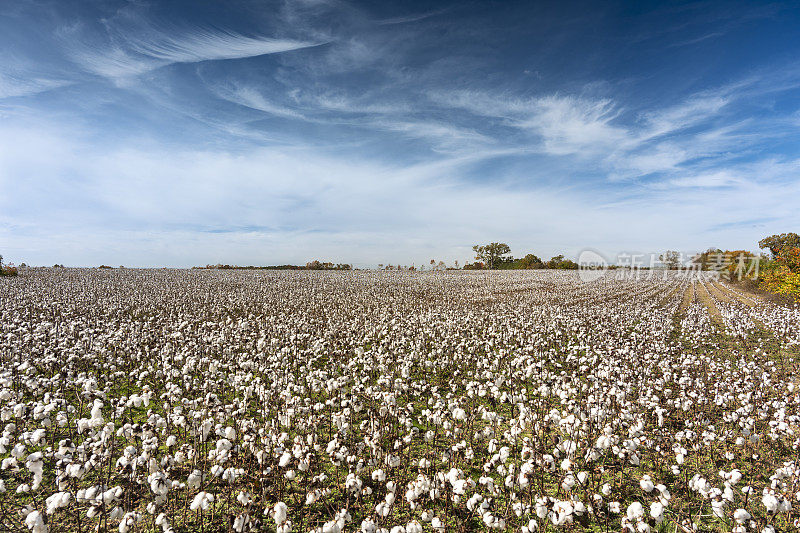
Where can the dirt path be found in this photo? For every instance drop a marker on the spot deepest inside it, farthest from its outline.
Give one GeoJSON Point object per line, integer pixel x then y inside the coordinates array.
{"type": "Point", "coordinates": [688, 295]}
{"type": "Point", "coordinates": [705, 298]}
{"type": "Point", "coordinates": [716, 291]}
{"type": "Point", "coordinates": [668, 297]}
{"type": "Point", "coordinates": [749, 300]}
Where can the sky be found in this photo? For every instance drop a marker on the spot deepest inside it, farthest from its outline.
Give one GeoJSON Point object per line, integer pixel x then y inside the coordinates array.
{"type": "Point", "coordinates": [149, 133]}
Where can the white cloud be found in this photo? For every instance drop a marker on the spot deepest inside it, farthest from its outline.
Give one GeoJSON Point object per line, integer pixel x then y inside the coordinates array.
{"type": "Point", "coordinates": [250, 97]}
{"type": "Point", "coordinates": [684, 115]}
{"type": "Point", "coordinates": [13, 85]}
{"type": "Point", "coordinates": [570, 125]}
{"type": "Point", "coordinates": [66, 199]}
{"type": "Point", "coordinates": [720, 178]}
{"type": "Point", "coordinates": [131, 55]}
{"type": "Point", "coordinates": [566, 125]}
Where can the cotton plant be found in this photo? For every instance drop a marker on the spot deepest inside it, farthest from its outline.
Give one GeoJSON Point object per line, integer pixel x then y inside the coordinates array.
{"type": "Point", "coordinates": [394, 403]}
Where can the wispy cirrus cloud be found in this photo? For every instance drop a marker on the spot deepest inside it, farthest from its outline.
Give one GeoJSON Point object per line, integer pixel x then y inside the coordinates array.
{"type": "Point", "coordinates": [565, 124]}
{"type": "Point", "coordinates": [249, 96]}
{"type": "Point", "coordinates": [129, 53]}
{"type": "Point", "coordinates": [24, 85]}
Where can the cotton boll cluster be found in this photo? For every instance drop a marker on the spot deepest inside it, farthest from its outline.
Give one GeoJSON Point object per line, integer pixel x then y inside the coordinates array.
{"type": "Point", "coordinates": [150, 400]}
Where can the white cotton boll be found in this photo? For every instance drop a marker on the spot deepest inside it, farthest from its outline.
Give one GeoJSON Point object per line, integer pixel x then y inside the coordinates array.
{"type": "Point", "coordinates": [35, 522]}
{"type": "Point", "coordinates": [202, 500]}
{"type": "Point", "coordinates": [770, 502]}
{"type": "Point", "coordinates": [34, 462]}
{"type": "Point", "coordinates": [437, 524]}
{"type": "Point", "coordinates": [37, 436]}
{"type": "Point", "coordinates": [647, 484]}
{"type": "Point", "coordinates": [727, 494]}
{"type": "Point", "coordinates": [194, 479]}
{"type": "Point", "coordinates": [741, 516]}
{"type": "Point", "coordinates": [128, 522]}
{"type": "Point", "coordinates": [57, 501]}
{"type": "Point", "coordinates": [368, 526]}
{"type": "Point", "coordinates": [279, 513]}
{"type": "Point", "coordinates": [230, 433]}
{"type": "Point", "coordinates": [473, 501]}
{"type": "Point", "coordinates": [97, 411]}
{"type": "Point", "coordinates": [240, 522]}
{"type": "Point", "coordinates": [382, 509]}
{"type": "Point", "coordinates": [460, 486]}
{"type": "Point", "coordinates": [414, 527]}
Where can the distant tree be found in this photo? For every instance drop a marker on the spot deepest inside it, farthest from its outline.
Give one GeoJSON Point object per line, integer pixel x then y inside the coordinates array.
{"type": "Point", "coordinates": [456, 264]}
{"type": "Point", "coordinates": [555, 261]}
{"type": "Point", "coordinates": [530, 261]}
{"type": "Point", "coordinates": [492, 253]}
{"type": "Point", "coordinates": [671, 259]}
{"type": "Point", "coordinates": [776, 242]}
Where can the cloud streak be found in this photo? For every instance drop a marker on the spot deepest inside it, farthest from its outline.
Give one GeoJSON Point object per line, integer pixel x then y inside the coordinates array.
{"type": "Point", "coordinates": [129, 55]}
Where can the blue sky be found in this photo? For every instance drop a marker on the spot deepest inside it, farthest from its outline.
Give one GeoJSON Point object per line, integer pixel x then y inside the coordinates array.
{"type": "Point", "coordinates": [185, 133]}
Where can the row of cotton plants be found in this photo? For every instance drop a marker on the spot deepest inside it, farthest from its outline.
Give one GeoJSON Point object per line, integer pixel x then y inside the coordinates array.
{"type": "Point", "coordinates": [174, 400]}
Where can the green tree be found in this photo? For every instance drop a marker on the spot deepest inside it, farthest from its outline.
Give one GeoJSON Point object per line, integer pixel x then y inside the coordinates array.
{"type": "Point", "coordinates": [671, 259]}
{"type": "Point", "coordinates": [776, 243]}
{"type": "Point", "coordinates": [531, 261]}
{"type": "Point", "coordinates": [492, 253]}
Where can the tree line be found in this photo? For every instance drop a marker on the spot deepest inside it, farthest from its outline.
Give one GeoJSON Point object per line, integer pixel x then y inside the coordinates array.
{"type": "Point", "coordinates": [497, 256]}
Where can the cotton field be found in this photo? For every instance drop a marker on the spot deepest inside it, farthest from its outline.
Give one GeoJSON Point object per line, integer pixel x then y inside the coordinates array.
{"type": "Point", "coordinates": [175, 400]}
